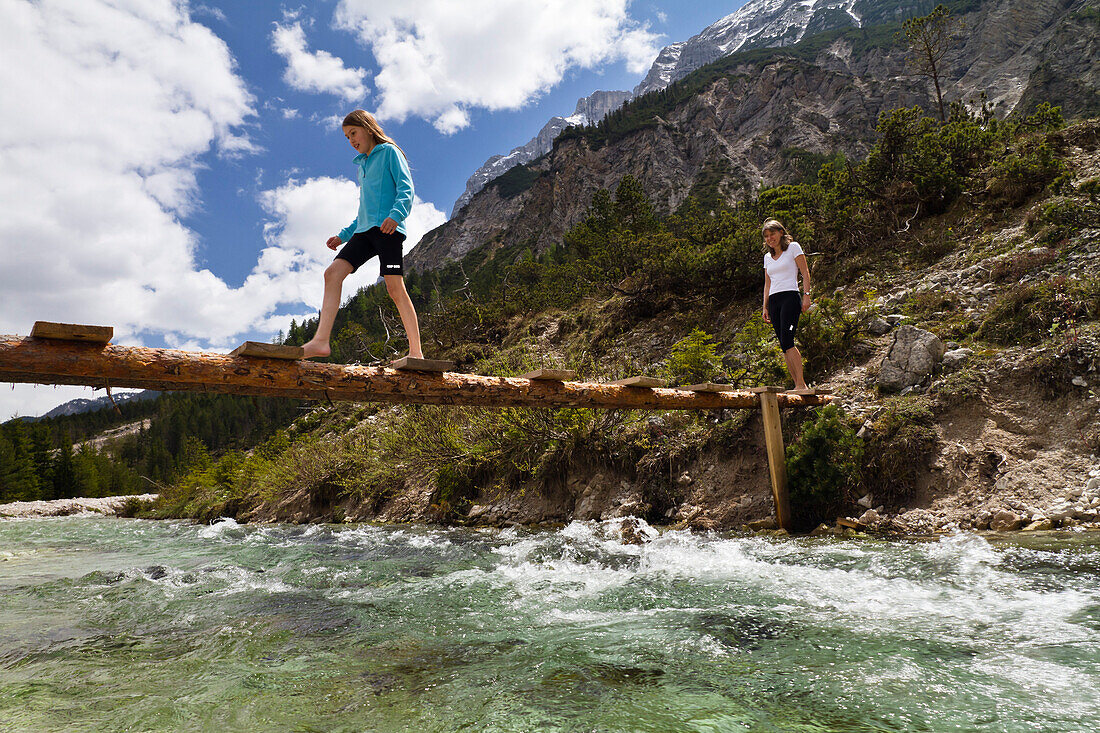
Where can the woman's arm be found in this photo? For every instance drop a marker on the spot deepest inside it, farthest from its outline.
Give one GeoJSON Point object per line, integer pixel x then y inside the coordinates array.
{"type": "Point", "coordinates": [804, 270]}
{"type": "Point", "coordinates": [767, 287]}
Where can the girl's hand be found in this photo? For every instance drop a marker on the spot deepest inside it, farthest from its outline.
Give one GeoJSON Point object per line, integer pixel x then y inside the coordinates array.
{"type": "Point", "coordinates": [767, 319]}
{"type": "Point", "coordinates": [334, 242]}
{"type": "Point", "coordinates": [389, 226]}
{"type": "Point", "coordinates": [807, 302]}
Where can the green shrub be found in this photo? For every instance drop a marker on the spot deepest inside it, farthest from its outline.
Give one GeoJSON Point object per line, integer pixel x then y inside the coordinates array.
{"type": "Point", "coordinates": [823, 466]}
{"type": "Point", "coordinates": [694, 359]}
{"type": "Point", "coordinates": [1029, 313]}
{"type": "Point", "coordinates": [958, 388]}
{"type": "Point", "coordinates": [1061, 218]}
{"type": "Point", "coordinates": [828, 334]}
{"type": "Point", "coordinates": [754, 357]}
{"type": "Point", "coordinates": [1019, 175]}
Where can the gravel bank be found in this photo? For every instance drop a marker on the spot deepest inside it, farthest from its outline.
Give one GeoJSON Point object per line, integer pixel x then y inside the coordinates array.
{"type": "Point", "coordinates": [65, 507]}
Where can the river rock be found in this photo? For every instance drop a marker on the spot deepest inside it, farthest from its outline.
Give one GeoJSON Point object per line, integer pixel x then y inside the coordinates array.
{"type": "Point", "coordinates": [878, 326]}
{"type": "Point", "coordinates": [685, 479]}
{"type": "Point", "coordinates": [1039, 525]}
{"type": "Point", "coordinates": [1080, 382]}
{"type": "Point", "coordinates": [1093, 484]}
{"type": "Point", "coordinates": [630, 532]}
{"type": "Point", "coordinates": [866, 501]}
{"type": "Point", "coordinates": [759, 524]}
{"type": "Point", "coordinates": [1005, 521]}
{"type": "Point", "coordinates": [869, 518]}
{"type": "Point", "coordinates": [954, 359]}
{"type": "Point", "coordinates": [912, 357]}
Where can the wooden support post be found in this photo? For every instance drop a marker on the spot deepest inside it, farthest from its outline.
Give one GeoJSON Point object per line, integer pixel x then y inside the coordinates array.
{"type": "Point", "coordinates": [777, 465]}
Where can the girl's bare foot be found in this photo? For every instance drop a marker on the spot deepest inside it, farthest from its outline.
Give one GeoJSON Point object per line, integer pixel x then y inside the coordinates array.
{"type": "Point", "coordinates": [315, 349]}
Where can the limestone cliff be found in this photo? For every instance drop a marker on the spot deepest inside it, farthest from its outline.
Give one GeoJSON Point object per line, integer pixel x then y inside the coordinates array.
{"type": "Point", "coordinates": [752, 112]}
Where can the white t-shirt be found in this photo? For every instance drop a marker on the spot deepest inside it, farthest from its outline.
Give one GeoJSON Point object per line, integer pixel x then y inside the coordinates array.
{"type": "Point", "coordinates": [784, 271]}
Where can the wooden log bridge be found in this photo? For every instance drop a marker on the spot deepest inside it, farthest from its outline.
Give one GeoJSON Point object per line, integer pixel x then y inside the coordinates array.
{"type": "Point", "coordinates": [52, 360]}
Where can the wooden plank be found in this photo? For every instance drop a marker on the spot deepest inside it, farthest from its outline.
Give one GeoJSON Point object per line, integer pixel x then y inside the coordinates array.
{"type": "Point", "coordinates": [709, 387]}
{"type": "Point", "coordinates": [762, 390]}
{"type": "Point", "coordinates": [412, 364]}
{"type": "Point", "coordinates": [639, 382]}
{"type": "Point", "coordinates": [777, 466]}
{"type": "Point", "coordinates": [72, 332]}
{"type": "Point", "coordinates": [551, 375]}
{"type": "Point", "coordinates": [809, 391]}
{"type": "Point", "coordinates": [271, 351]}
{"type": "Point", "coordinates": [41, 361]}
{"type": "Point", "coordinates": [847, 523]}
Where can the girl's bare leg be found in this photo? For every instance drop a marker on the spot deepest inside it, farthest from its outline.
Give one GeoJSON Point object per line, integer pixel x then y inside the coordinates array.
{"type": "Point", "coordinates": [395, 285]}
{"type": "Point", "coordinates": [793, 357]}
{"type": "Point", "coordinates": [334, 281]}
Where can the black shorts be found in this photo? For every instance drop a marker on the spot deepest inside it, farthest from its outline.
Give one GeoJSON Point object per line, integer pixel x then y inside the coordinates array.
{"type": "Point", "coordinates": [784, 308]}
{"type": "Point", "coordinates": [364, 245]}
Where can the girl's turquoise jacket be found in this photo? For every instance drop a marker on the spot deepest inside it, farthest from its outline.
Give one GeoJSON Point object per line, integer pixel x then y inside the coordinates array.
{"type": "Point", "coordinates": [385, 190]}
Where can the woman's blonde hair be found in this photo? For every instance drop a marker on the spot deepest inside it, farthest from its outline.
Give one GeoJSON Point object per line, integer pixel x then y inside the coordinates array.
{"type": "Point", "coordinates": [773, 225]}
{"type": "Point", "coordinates": [364, 119]}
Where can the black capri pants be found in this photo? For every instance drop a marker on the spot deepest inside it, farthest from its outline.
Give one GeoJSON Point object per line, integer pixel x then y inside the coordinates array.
{"type": "Point", "coordinates": [784, 308]}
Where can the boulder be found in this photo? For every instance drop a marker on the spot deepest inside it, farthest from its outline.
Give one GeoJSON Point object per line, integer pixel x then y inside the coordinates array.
{"type": "Point", "coordinates": [869, 518]}
{"type": "Point", "coordinates": [878, 326]}
{"type": "Point", "coordinates": [955, 358]}
{"type": "Point", "coordinates": [1005, 521]}
{"type": "Point", "coordinates": [912, 357]}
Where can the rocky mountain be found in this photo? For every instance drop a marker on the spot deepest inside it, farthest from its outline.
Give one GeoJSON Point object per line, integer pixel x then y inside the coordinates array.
{"type": "Point", "coordinates": [757, 24]}
{"type": "Point", "coordinates": [79, 406]}
{"type": "Point", "coordinates": [758, 115]}
{"type": "Point", "coordinates": [589, 110]}
{"type": "Point", "coordinates": [771, 24]}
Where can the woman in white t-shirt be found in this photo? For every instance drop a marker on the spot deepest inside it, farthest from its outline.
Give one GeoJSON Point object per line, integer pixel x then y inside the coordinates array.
{"type": "Point", "coordinates": [783, 262]}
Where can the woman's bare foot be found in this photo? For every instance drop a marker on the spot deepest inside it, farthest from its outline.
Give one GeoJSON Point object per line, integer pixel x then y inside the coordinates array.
{"type": "Point", "coordinates": [315, 349]}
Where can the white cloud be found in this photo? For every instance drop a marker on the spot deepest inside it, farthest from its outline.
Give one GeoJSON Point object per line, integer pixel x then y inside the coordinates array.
{"type": "Point", "coordinates": [304, 215]}
{"type": "Point", "coordinates": [317, 71]}
{"type": "Point", "coordinates": [439, 58]}
{"type": "Point", "coordinates": [108, 108]}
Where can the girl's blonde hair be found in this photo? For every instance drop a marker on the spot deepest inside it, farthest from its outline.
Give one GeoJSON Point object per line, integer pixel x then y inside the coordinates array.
{"type": "Point", "coordinates": [773, 225]}
{"type": "Point", "coordinates": [364, 119]}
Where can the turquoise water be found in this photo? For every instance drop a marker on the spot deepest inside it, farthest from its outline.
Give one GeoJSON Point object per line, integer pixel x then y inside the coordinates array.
{"type": "Point", "coordinates": [109, 624]}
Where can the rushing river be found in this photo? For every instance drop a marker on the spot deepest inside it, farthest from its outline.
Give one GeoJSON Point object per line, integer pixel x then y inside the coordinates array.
{"type": "Point", "coordinates": [114, 624]}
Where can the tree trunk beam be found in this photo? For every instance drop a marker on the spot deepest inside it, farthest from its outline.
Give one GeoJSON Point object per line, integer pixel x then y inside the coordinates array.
{"type": "Point", "coordinates": [96, 365]}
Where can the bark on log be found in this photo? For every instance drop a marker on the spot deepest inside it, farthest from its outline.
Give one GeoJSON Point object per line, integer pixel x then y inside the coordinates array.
{"type": "Point", "coordinates": [97, 365]}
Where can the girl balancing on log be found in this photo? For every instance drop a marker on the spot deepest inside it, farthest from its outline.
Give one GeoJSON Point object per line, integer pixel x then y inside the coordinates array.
{"type": "Point", "coordinates": [385, 198]}
{"type": "Point", "coordinates": [783, 262]}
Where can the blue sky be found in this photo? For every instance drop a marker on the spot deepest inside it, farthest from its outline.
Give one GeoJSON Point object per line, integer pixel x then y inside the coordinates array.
{"type": "Point", "coordinates": [173, 169]}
